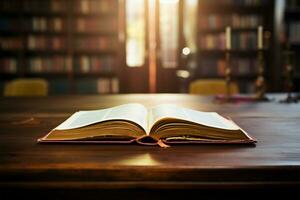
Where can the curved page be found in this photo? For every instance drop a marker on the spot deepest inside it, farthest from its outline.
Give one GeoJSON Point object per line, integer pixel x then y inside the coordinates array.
{"type": "Point", "coordinates": [136, 113]}
{"type": "Point", "coordinates": [209, 119]}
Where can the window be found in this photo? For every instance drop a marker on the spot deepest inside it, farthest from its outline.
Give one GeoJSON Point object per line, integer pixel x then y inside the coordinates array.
{"type": "Point", "coordinates": [135, 33]}
{"type": "Point", "coordinates": [168, 23]}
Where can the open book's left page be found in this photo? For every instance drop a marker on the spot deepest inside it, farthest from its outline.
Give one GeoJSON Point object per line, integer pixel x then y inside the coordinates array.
{"type": "Point", "coordinates": [133, 112]}
{"type": "Point", "coordinates": [125, 121]}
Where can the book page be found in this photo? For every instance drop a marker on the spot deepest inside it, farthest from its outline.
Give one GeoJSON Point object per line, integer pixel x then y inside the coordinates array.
{"type": "Point", "coordinates": [136, 113]}
{"type": "Point", "coordinates": [211, 119]}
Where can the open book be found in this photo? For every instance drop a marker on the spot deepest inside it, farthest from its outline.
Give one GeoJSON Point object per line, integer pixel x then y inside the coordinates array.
{"type": "Point", "coordinates": [162, 124]}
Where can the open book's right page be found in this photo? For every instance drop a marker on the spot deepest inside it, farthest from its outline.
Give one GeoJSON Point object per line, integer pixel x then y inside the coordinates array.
{"type": "Point", "coordinates": [174, 124]}
{"type": "Point", "coordinates": [210, 119]}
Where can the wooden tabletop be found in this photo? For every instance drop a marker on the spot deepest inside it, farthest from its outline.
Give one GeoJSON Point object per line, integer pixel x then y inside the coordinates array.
{"type": "Point", "coordinates": [273, 161]}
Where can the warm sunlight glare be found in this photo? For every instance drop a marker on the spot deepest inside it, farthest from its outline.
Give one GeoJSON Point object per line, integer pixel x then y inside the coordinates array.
{"type": "Point", "coordinates": [135, 32]}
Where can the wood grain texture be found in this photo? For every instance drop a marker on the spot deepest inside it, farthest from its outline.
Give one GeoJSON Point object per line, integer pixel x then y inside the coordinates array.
{"type": "Point", "coordinates": [273, 162]}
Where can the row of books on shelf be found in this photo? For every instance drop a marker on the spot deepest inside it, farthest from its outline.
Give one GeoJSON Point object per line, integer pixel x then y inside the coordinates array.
{"type": "Point", "coordinates": [32, 24]}
{"type": "Point", "coordinates": [239, 41]}
{"type": "Point", "coordinates": [82, 6]}
{"type": "Point", "coordinates": [45, 5]}
{"type": "Point", "coordinates": [96, 43]}
{"type": "Point", "coordinates": [214, 21]}
{"type": "Point", "coordinates": [44, 24]}
{"type": "Point", "coordinates": [11, 43]}
{"type": "Point", "coordinates": [238, 66]}
{"type": "Point", "coordinates": [42, 42]}
{"type": "Point", "coordinates": [96, 25]}
{"type": "Point", "coordinates": [9, 5]}
{"type": "Point", "coordinates": [8, 65]}
{"type": "Point", "coordinates": [294, 32]}
{"type": "Point", "coordinates": [33, 5]}
{"type": "Point", "coordinates": [234, 2]}
{"type": "Point", "coordinates": [55, 64]}
{"type": "Point", "coordinates": [58, 24]}
{"type": "Point", "coordinates": [94, 6]}
{"type": "Point", "coordinates": [84, 86]}
{"type": "Point", "coordinates": [99, 85]}
{"type": "Point", "coordinates": [33, 43]}
{"type": "Point", "coordinates": [94, 64]}
{"type": "Point", "coordinates": [61, 64]}
{"type": "Point", "coordinates": [46, 42]}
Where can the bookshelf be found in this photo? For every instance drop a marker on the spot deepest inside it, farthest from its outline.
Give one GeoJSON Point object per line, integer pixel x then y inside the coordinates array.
{"type": "Point", "coordinates": [71, 43]}
{"type": "Point", "coordinates": [244, 17]}
{"type": "Point", "coordinates": [291, 41]}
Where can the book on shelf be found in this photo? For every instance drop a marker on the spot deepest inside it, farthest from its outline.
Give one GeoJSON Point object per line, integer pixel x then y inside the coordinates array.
{"type": "Point", "coordinates": [115, 86]}
{"type": "Point", "coordinates": [163, 124]}
{"type": "Point", "coordinates": [108, 85]}
{"type": "Point", "coordinates": [103, 85]}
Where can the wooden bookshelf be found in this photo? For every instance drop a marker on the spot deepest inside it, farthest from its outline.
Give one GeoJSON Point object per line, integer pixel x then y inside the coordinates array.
{"type": "Point", "coordinates": [243, 17]}
{"type": "Point", "coordinates": [72, 41]}
{"type": "Point", "coordinates": [291, 41]}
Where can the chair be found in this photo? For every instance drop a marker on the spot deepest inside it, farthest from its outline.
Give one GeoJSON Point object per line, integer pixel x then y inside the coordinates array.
{"type": "Point", "coordinates": [211, 87]}
{"type": "Point", "coordinates": [26, 87]}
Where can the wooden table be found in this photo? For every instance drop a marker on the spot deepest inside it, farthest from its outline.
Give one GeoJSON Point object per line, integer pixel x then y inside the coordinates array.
{"type": "Point", "coordinates": [272, 167]}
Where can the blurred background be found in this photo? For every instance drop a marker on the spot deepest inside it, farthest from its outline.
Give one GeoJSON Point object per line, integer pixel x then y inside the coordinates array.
{"type": "Point", "coordinates": [61, 47]}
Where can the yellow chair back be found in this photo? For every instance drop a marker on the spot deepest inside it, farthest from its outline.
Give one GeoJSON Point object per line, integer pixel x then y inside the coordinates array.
{"type": "Point", "coordinates": [211, 87]}
{"type": "Point", "coordinates": [26, 87]}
